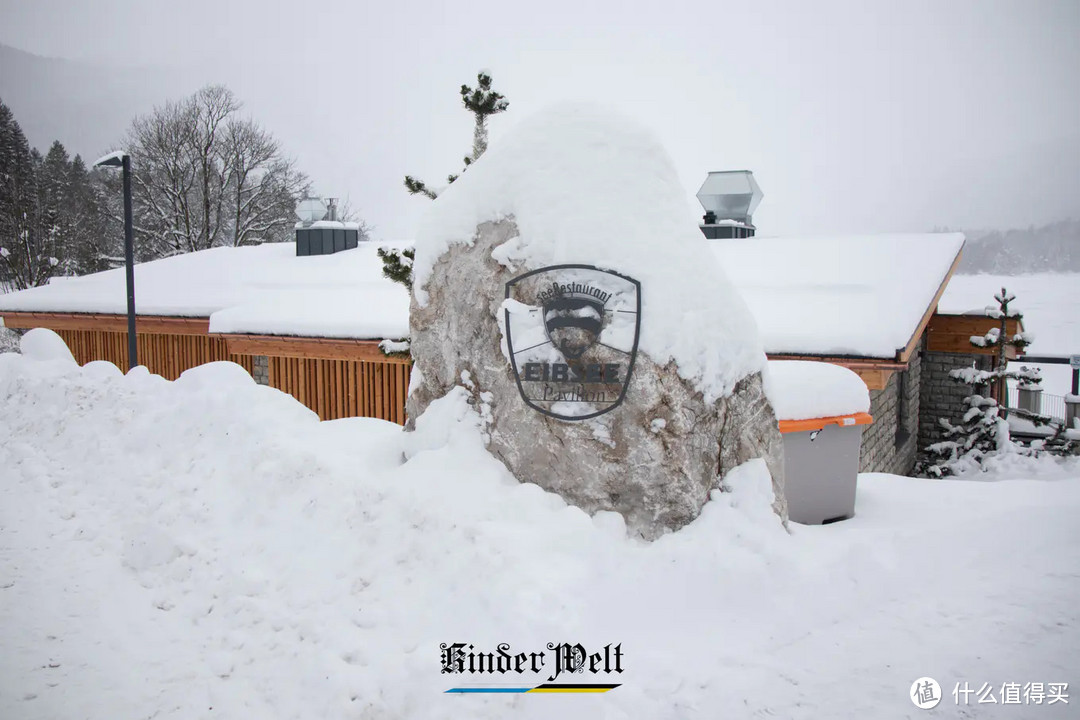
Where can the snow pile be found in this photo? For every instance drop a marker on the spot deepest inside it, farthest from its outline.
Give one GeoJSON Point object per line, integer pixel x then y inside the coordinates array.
{"type": "Point", "coordinates": [1013, 461]}
{"type": "Point", "coordinates": [45, 346]}
{"type": "Point", "coordinates": [585, 187]}
{"type": "Point", "coordinates": [207, 548]}
{"type": "Point", "coordinates": [801, 390]}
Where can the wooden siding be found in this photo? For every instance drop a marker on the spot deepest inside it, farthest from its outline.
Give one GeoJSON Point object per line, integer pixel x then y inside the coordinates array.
{"type": "Point", "coordinates": [155, 324]}
{"type": "Point", "coordinates": [344, 388]}
{"type": "Point", "coordinates": [952, 333]}
{"type": "Point", "coordinates": [163, 354]}
{"type": "Point", "coordinates": [312, 348]}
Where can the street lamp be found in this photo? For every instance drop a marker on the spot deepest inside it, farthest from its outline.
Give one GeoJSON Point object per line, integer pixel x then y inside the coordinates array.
{"type": "Point", "coordinates": [123, 160]}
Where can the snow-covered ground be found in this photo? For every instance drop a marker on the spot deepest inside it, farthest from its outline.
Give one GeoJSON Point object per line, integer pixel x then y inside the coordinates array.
{"type": "Point", "coordinates": [1051, 306]}
{"type": "Point", "coordinates": [207, 548]}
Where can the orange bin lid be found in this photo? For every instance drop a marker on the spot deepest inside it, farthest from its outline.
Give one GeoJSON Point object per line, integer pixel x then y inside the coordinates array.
{"type": "Point", "coordinates": [789, 426]}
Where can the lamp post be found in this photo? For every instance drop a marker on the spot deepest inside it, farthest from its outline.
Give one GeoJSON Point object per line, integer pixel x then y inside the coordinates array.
{"type": "Point", "coordinates": [123, 160]}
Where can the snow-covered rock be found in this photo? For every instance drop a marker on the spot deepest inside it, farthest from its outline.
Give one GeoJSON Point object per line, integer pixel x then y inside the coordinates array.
{"type": "Point", "coordinates": [576, 187]}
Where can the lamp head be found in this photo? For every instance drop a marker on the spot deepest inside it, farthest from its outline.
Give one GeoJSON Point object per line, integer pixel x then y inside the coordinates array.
{"type": "Point", "coordinates": [114, 159]}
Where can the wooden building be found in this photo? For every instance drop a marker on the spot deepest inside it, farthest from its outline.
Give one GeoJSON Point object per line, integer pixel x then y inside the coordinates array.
{"type": "Point", "coordinates": [311, 325]}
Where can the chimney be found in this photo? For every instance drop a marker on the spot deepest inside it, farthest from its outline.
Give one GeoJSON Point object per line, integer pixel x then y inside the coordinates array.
{"type": "Point", "coordinates": [319, 232]}
{"type": "Point", "coordinates": [729, 198]}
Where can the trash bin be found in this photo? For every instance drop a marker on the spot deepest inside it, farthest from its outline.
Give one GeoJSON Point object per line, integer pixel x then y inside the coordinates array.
{"type": "Point", "coordinates": [821, 409]}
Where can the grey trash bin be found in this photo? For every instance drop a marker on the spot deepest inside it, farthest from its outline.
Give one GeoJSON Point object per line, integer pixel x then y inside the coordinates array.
{"type": "Point", "coordinates": [821, 466]}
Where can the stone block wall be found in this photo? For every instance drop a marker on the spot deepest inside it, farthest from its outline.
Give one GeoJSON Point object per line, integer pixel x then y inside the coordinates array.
{"type": "Point", "coordinates": [260, 369]}
{"type": "Point", "coordinates": [943, 397]}
{"type": "Point", "coordinates": [891, 443]}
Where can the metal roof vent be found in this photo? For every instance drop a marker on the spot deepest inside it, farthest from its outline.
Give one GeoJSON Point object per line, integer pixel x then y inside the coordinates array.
{"type": "Point", "coordinates": [319, 232]}
{"type": "Point", "coordinates": [730, 198]}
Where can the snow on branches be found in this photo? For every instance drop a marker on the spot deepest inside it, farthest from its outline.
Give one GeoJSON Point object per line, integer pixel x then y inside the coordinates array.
{"type": "Point", "coordinates": [983, 431]}
{"type": "Point", "coordinates": [397, 264]}
{"type": "Point", "coordinates": [483, 102]}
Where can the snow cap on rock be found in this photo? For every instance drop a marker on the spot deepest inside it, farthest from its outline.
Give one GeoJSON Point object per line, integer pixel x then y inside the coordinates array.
{"type": "Point", "coordinates": [585, 186]}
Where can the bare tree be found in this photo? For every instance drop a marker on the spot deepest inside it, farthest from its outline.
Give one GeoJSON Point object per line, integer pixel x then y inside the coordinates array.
{"type": "Point", "coordinates": [204, 177]}
{"type": "Point", "coordinates": [263, 185]}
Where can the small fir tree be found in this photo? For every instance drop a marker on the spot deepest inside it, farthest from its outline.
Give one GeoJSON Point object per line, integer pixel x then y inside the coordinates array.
{"type": "Point", "coordinates": [983, 431]}
{"type": "Point", "coordinates": [397, 264]}
{"type": "Point", "coordinates": [999, 340]}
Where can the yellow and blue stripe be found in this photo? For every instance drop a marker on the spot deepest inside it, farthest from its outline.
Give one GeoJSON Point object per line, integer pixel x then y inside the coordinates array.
{"type": "Point", "coordinates": [545, 688]}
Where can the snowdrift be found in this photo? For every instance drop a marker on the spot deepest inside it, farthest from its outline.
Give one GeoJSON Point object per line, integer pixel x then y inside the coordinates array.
{"type": "Point", "coordinates": [207, 548]}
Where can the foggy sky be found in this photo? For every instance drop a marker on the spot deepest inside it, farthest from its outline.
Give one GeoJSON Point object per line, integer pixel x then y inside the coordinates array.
{"type": "Point", "coordinates": [854, 117]}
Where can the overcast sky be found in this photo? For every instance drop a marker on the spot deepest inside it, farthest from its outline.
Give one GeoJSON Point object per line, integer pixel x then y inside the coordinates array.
{"type": "Point", "coordinates": [854, 117]}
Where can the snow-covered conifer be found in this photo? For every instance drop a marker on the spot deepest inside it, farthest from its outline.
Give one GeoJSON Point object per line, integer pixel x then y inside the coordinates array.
{"type": "Point", "coordinates": [983, 431]}
{"type": "Point", "coordinates": [483, 102]}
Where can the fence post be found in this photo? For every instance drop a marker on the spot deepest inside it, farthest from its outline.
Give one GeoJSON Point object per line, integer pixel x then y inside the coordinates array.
{"type": "Point", "coordinates": [1072, 410]}
{"type": "Point", "coordinates": [1029, 399]}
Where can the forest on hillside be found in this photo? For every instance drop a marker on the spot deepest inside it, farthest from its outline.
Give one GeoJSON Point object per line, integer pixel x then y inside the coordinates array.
{"type": "Point", "coordinates": [1048, 248]}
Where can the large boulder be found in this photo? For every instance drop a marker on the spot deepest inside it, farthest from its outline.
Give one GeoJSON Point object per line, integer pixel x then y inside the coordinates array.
{"type": "Point", "coordinates": [564, 282]}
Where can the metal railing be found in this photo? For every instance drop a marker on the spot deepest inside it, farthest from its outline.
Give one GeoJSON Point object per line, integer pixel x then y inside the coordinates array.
{"type": "Point", "coordinates": [1053, 406]}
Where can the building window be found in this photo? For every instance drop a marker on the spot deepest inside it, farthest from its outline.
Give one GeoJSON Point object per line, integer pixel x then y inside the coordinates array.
{"type": "Point", "coordinates": [902, 409]}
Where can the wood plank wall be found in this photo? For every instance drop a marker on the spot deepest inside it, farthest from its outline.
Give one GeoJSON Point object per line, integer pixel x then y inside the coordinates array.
{"type": "Point", "coordinates": [344, 388]}
{"type": "Point", "coordinates": [166, 355]}
{"type": "Point", "coordinates": [952, 334]}
{"type": "Point", "coordinates": [332, 388]}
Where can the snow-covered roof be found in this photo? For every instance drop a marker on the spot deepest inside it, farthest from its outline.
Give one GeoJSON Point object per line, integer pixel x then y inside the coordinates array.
{"type": "Point", "coordinates": [264, 289]}
{"type": "Point", "coordinates": [1050, 303]}
{"type": "Point", "coordinates": [858, 295]}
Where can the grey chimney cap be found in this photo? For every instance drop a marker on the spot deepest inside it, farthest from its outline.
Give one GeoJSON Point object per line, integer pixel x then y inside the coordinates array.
{"type": "Point", "coordinates": [731, 194]}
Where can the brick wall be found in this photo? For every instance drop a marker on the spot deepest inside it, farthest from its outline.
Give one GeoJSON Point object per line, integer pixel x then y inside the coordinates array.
{"type": "Point", "coordinates": [941, 396]}
{"type": "Point", "coordinates": [884, 448]}
{"type": "Point", "coordinates": [260, 369]}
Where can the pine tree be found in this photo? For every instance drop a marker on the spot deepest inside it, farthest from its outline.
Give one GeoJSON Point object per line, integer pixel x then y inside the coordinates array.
{"type": "Point", "coordinates": [397, 264]}
{"type": "Point", "coordinates": [95, 243]}
{"type": "Point", "coordinates": [54, 203]}
{"type": "Point", "coordinates": [483, 102]}
{"type": "Point", "coordinates": [998, 338]}
{"type": "Point", "coordinates": [27, 255]}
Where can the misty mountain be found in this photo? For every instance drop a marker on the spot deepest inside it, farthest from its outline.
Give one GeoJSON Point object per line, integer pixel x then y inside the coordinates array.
{"type": "Point", "coordinates": [1050, 248]}
{"type": "Point", "coordinates": [86, 106]}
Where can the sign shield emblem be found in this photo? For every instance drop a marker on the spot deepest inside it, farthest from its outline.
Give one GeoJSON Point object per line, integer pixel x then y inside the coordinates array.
{"type": "Point", "coordinates": [572, 336]}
